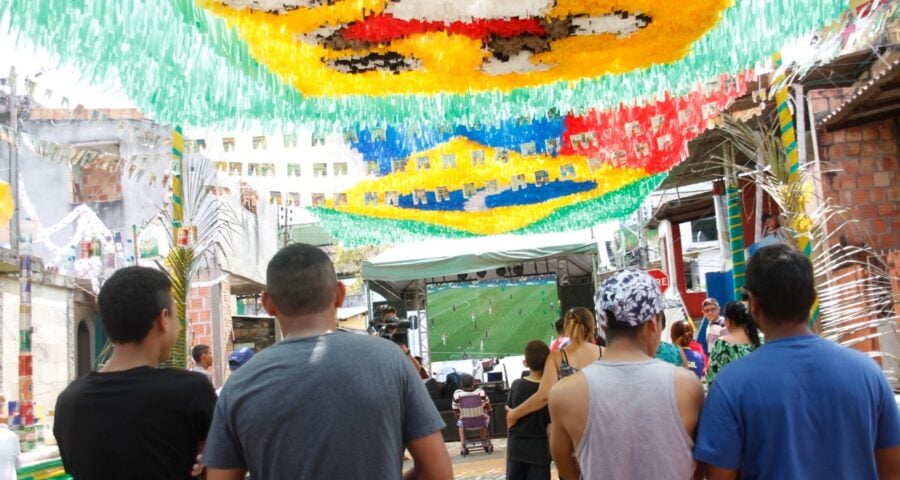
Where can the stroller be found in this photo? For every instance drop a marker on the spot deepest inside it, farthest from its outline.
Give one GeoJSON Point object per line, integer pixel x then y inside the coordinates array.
{"type": "Point", "coordinates": [473, 416]}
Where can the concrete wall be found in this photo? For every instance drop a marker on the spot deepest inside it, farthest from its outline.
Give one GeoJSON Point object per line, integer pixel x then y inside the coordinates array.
{"type": "Point", "coordinates": [256, 240]}
{"type": "Point", "coordinates": [52, 316]}
{"type": "Point", "coordinates": [48, 184]}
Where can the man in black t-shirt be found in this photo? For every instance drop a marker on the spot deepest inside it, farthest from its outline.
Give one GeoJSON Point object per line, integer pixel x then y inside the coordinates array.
{"type": "Point", "coordinates": [132, 419]}
{"type": "Point", "coordinates": [527, 450]}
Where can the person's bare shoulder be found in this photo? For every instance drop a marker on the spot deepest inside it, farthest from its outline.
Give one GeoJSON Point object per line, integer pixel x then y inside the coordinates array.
{"type": "Point", "coordinates": [688, 397]}
{"type": "Point", "coordinates": [568, 392]}
{"type": "Point", "coordinates": [687, 384]}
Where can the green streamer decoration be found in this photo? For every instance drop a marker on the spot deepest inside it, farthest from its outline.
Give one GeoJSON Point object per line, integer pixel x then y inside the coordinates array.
{"type": "Point", "coordinates": [181, 64]}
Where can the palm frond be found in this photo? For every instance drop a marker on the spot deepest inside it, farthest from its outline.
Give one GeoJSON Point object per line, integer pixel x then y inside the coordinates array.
{"type": "Point", "coordinates": [853, 281]}
{"type": "Point", "coordinates": [215, 221]}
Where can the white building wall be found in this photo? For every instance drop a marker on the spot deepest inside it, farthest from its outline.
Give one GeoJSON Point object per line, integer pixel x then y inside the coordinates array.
{"type": "Point", "coordinates": [51, 345]}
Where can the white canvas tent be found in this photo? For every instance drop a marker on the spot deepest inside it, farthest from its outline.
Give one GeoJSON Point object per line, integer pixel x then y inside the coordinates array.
{"type": "Point", "coordinates": [434, 260]}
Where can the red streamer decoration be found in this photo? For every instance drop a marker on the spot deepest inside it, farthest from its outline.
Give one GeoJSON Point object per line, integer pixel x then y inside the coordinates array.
{"type": "Point", "coordinates": [386, 28]}
{"type": "Point", "coordinates": [655, 136]}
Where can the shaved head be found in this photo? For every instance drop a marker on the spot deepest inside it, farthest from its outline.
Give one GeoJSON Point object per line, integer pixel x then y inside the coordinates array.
{"type": "Point", "coordinates": [301, 280]}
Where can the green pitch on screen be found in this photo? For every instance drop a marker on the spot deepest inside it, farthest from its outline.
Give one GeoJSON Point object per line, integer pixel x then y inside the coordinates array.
{"type": "Point", "coordinates": [490, 319]}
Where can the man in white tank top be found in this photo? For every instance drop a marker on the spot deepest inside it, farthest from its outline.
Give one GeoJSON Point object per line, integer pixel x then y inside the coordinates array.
{"type": "Point", "coordinates": [627, 416]}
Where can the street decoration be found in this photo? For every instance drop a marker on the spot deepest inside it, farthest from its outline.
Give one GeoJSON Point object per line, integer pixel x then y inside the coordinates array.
{"type": "Point", "coordinates": [473, 117]}
{"type": "Point", "coordinates": [232, 64]}
{"type": "Point", "coordinates": [525, 176]}
{"type": "Point", "coordinates": [801, 224]}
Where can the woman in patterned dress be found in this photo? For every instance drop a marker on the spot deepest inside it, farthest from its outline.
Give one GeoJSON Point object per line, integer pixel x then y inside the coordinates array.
{"type": "Point", "coordinates": [742, 338]}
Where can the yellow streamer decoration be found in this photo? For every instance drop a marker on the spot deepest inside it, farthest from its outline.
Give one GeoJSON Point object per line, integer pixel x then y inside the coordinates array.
{"type": "Point", "coordinates": [492, 221]}
{"type": "Point", "coordinates": [452, 63]}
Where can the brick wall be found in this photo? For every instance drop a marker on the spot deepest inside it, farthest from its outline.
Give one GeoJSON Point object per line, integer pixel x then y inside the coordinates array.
{"type": "Point", "coordinates": [91, 185]}
{"type": "Point", "coordinates": [861, 172]}
{"type": "Point", "coordinates": [199, 312]}
{"type": "Point", "coordinates": [258, 331]}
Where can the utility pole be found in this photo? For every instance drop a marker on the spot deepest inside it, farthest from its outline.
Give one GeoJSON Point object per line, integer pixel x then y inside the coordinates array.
{"type": "Point", "coordinates": [642, 238]}
{"type": "Point", "coordinates": [22, 244]}
{"type": "Point", "coordinates": [286, 227]}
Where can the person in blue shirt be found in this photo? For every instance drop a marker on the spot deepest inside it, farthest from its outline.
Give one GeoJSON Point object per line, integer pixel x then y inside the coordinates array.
{"type": "Point", "coordinates": [799, 407]}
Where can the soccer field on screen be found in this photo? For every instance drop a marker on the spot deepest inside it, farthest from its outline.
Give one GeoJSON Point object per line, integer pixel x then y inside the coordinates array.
{"type": "Point", "coordinates": [490, 319]}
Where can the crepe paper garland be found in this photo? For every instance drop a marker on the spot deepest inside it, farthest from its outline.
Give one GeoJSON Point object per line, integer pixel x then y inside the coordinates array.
{"type": "Point", "coordinates": [657, 125]}
{"type": "Point", "coordinates": [358, 230]}
{"type": "Point", "coordinates": [457, 185]}
{"type": "Point", "coordinates": [486, 46]}
{"type": "Point", "coordinates": [162, 54]}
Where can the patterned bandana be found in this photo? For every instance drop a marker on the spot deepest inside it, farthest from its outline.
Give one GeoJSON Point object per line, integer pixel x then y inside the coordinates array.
{"type": "Point", "coordinates": [631, 295]}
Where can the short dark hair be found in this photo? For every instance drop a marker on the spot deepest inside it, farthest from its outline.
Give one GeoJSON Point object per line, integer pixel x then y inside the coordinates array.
{"type": "Point", "coordinates": [536, 353]}
{"type": "Point", "coordinates": [781, 279]}
{"type": "Point", "coordinates": [198, 351]}
{"type": "Point", "coordinates": [466, 381]}
{"type": "Point", "coordinates": [131, 300]}
{"type": "Point", "coordinates": [616, 329]}
{"type": "Point", "coordinates": [300, 280]}
{"type": "Point", "coordinates": [560, 325]}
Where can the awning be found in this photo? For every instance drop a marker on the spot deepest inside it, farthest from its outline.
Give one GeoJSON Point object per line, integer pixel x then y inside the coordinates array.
{"type": "Point", "coordinates": [439, 258]}
{"type": "Point", "coordinates": [874, 100]}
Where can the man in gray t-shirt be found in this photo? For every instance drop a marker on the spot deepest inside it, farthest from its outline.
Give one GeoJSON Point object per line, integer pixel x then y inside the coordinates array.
{"type": "Point", "coordinates": [322, 404]}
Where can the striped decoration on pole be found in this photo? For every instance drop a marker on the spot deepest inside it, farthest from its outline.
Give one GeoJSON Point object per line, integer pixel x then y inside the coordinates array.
{"type": "Point", "coordinates": [177, 187]}
{"type": "Point", "coordinates": [736, 233]}
{"type": "Point", "coordinates": [802, 224]}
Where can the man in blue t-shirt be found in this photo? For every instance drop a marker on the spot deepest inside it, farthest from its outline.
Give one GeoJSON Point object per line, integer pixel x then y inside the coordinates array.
{"type": "Point", "coordinates": [799, 406]}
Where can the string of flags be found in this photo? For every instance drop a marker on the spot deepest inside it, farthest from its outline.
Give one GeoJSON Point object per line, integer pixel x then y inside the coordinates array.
{"type": "Point", "coordinates": [134, 167]}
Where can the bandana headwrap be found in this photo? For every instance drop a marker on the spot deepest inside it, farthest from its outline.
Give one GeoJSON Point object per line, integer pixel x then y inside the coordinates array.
{"type": "Point", "coordinates": [631, 295]}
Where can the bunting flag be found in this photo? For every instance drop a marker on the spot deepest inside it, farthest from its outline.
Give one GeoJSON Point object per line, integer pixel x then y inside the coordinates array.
{"type": "Point", "coordinates": [345, 64]}
{"type": "Point", "coordinates": [135, 167]}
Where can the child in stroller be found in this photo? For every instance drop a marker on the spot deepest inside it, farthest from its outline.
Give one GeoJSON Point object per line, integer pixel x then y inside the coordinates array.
{"type": "Point", "coordinates": [473, 409]}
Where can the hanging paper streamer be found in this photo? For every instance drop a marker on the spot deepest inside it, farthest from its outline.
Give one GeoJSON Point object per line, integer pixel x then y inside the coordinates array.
{"type": "Point", "coordinates": [499, 61]}
{"type": "Point", "coordinates": [552, 174]}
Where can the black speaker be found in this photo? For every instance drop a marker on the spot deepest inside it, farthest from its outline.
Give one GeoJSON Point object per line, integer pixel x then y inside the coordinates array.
{"type": "Point", "coordinates": [576, 294]}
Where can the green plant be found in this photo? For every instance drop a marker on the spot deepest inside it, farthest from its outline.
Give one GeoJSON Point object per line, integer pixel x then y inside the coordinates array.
{"type": "Point", "coordinates": [215, 222]}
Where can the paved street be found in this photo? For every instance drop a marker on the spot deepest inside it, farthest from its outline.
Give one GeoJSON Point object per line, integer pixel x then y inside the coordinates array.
{"type": "Point", "coordinates": [480, 465]}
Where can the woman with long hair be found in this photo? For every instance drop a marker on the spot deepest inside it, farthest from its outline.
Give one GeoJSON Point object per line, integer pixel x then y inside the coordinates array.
{"type": "Point", "coordinates": [692, 357]}
{"type": "Point", "coordinates": [580, 352]}
{"type": "Point", "coordinates": [742, 338]}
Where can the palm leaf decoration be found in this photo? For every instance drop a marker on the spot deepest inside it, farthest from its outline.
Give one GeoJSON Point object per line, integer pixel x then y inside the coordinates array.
{"type": "Point", "coordinates": [215, 222]}
{"type": "Point", "coordinates": [853, 281]}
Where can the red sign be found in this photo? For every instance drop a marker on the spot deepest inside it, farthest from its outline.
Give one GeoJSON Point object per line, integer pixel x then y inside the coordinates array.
{"type": "Point", "coordinates": [661, 279]}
